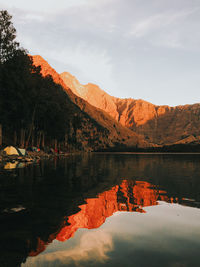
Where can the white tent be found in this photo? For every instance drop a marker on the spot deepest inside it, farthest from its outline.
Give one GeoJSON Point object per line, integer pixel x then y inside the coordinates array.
{"type": "Point", "coordinates": [22, 151]}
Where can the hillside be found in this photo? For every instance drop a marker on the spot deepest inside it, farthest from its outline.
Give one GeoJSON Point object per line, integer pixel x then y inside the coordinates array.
{"type": "Point", "coordinates": [162, 125]}
{"type": "Point", "coordinates": [115, 134]}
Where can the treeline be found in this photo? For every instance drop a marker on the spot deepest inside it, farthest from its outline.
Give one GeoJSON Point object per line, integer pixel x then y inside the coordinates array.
{"type": "Point", "coordinates": [176, 148]}
{"type": "Point", "coordinates": [31, 106]}
{"type": "Point", "coordinates": [34, 111]}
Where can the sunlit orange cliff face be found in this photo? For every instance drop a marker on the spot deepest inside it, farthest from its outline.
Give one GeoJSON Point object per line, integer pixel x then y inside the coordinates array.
{"type": "Point", "coordinates": [162, 125]}
{"type": "Point", "coordinates": [133, 119]}
{"type": "Point", "coordinates": [129, 196]}
{"type": "Point", "coordinates": [115, 131]}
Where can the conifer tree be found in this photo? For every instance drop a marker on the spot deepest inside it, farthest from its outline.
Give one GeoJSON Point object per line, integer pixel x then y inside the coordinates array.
{"type": "Point", "coordinates": [8, 45]}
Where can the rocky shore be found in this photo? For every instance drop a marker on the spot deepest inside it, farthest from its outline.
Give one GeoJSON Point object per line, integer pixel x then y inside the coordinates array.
{"type": "Point", "coordinates": [15, 161]}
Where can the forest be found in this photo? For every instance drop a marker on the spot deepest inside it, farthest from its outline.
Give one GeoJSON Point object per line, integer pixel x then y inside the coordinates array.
{"type": "Point", "coordinates": [34, 110]}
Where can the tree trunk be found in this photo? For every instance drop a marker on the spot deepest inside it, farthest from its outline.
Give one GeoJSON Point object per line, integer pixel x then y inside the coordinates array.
{"type": "Point", "coordinates": [33, 139]}
{"type": "Point", "coordinates": [31, 126]}
{"type": "Point", "coordinates": [66, 140]}
{"type": "Point", "coordinates": [39, 139]}
{"type": "Point", "coordinates": [0, 135]}
{"type": "Point", "coordinates": [55, 144]}
{"type": "Point", "coordinates": [15, 138]}
{"type": "Point", "coordinates": [22, 139]}
{"type": "Point", "coordinates": [42, 140]}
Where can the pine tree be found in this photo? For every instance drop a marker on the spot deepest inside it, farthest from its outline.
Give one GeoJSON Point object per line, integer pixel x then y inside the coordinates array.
{"type": "Point", "coordinates": [8, 45]}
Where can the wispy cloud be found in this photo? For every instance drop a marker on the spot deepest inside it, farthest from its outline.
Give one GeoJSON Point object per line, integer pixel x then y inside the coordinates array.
{"type": "Point", "coordinates": [116, 43]}
{"type": "Point", "coordinates": [49, 6]}
{"type": "Point", "coordinates": [159, 21]}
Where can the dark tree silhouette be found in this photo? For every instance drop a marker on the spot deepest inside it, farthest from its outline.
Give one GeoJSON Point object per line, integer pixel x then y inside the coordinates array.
{"type": "Point", "coordinates": [8, 45]}
{"type": "Point", "coordinates": [33, 107]}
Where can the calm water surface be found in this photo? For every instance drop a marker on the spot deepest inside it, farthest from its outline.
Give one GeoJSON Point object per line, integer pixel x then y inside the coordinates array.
{"type": "Point", "coordinates": [102, 210]}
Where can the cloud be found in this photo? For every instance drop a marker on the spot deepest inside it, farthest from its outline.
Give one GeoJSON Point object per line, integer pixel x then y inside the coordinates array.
{"type": "Point", "coordinates": [164, 28]}
{"type": "Point", "coordinates": [73, 40]}
{"type": "Point", "coordinates": [155, 22]}
{"type": "Point", "coordinates": [110, 26]}
{"type": "Point", "coordinates": [93, 247]}
{"type": "Point", "coordinates": [128, 47]}
{"type": "Point", "coordinates": [44, 6]}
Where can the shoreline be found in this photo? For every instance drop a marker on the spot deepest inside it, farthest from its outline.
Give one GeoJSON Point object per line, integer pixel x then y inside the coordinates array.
{"type": "Point", "coordinates": [33, 156]}
{"type": "Point", "coordinates": [17, 161]}
{"type": "Point", "coordinates": [10, 162]}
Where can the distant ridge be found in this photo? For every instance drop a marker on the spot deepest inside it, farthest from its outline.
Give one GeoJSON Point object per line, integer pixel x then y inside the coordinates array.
{"type": "Point", "coordinates": [162, 125]}
{"type": "Point", "coordinates": [129, 122]}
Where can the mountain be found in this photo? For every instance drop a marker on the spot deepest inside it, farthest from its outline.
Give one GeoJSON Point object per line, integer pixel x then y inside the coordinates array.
{"type": "Point", "coordinates": [92, 94]}
{"type": "Point", "coordinates": [162, 125]}
{"type": "Point", "coordinates": [110, 133]}
{"type": "Point", "coordinates": [129, 196]}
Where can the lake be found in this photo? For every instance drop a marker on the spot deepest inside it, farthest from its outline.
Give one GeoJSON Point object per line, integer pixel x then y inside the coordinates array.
{"type": "Point", "coordinates": [102, 209]}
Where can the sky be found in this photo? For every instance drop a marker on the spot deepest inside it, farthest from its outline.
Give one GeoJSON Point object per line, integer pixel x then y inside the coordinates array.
{"type": "Point", "coordinates": [143, 49]}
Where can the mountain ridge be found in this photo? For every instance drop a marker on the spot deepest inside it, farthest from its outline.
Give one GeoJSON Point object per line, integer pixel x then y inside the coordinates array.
{"type": "Point", "coordinates": [159, 124]}
{"type": "Point", "coordinates": [130, 122]}
{"type": "Point", "coordinates": [117, 133]}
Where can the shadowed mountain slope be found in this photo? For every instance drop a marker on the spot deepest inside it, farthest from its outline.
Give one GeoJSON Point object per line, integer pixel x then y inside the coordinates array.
{"type": "Point", "coordinates": [162, 125]}
{"type": "Point", "coordinates": [115, 132]}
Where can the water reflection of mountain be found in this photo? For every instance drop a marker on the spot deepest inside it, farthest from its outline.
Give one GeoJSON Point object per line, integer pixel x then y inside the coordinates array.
{"type": "Point", "coordinates": [128, 196]}
{"type": "Point", "coordinates": [50, 197]}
